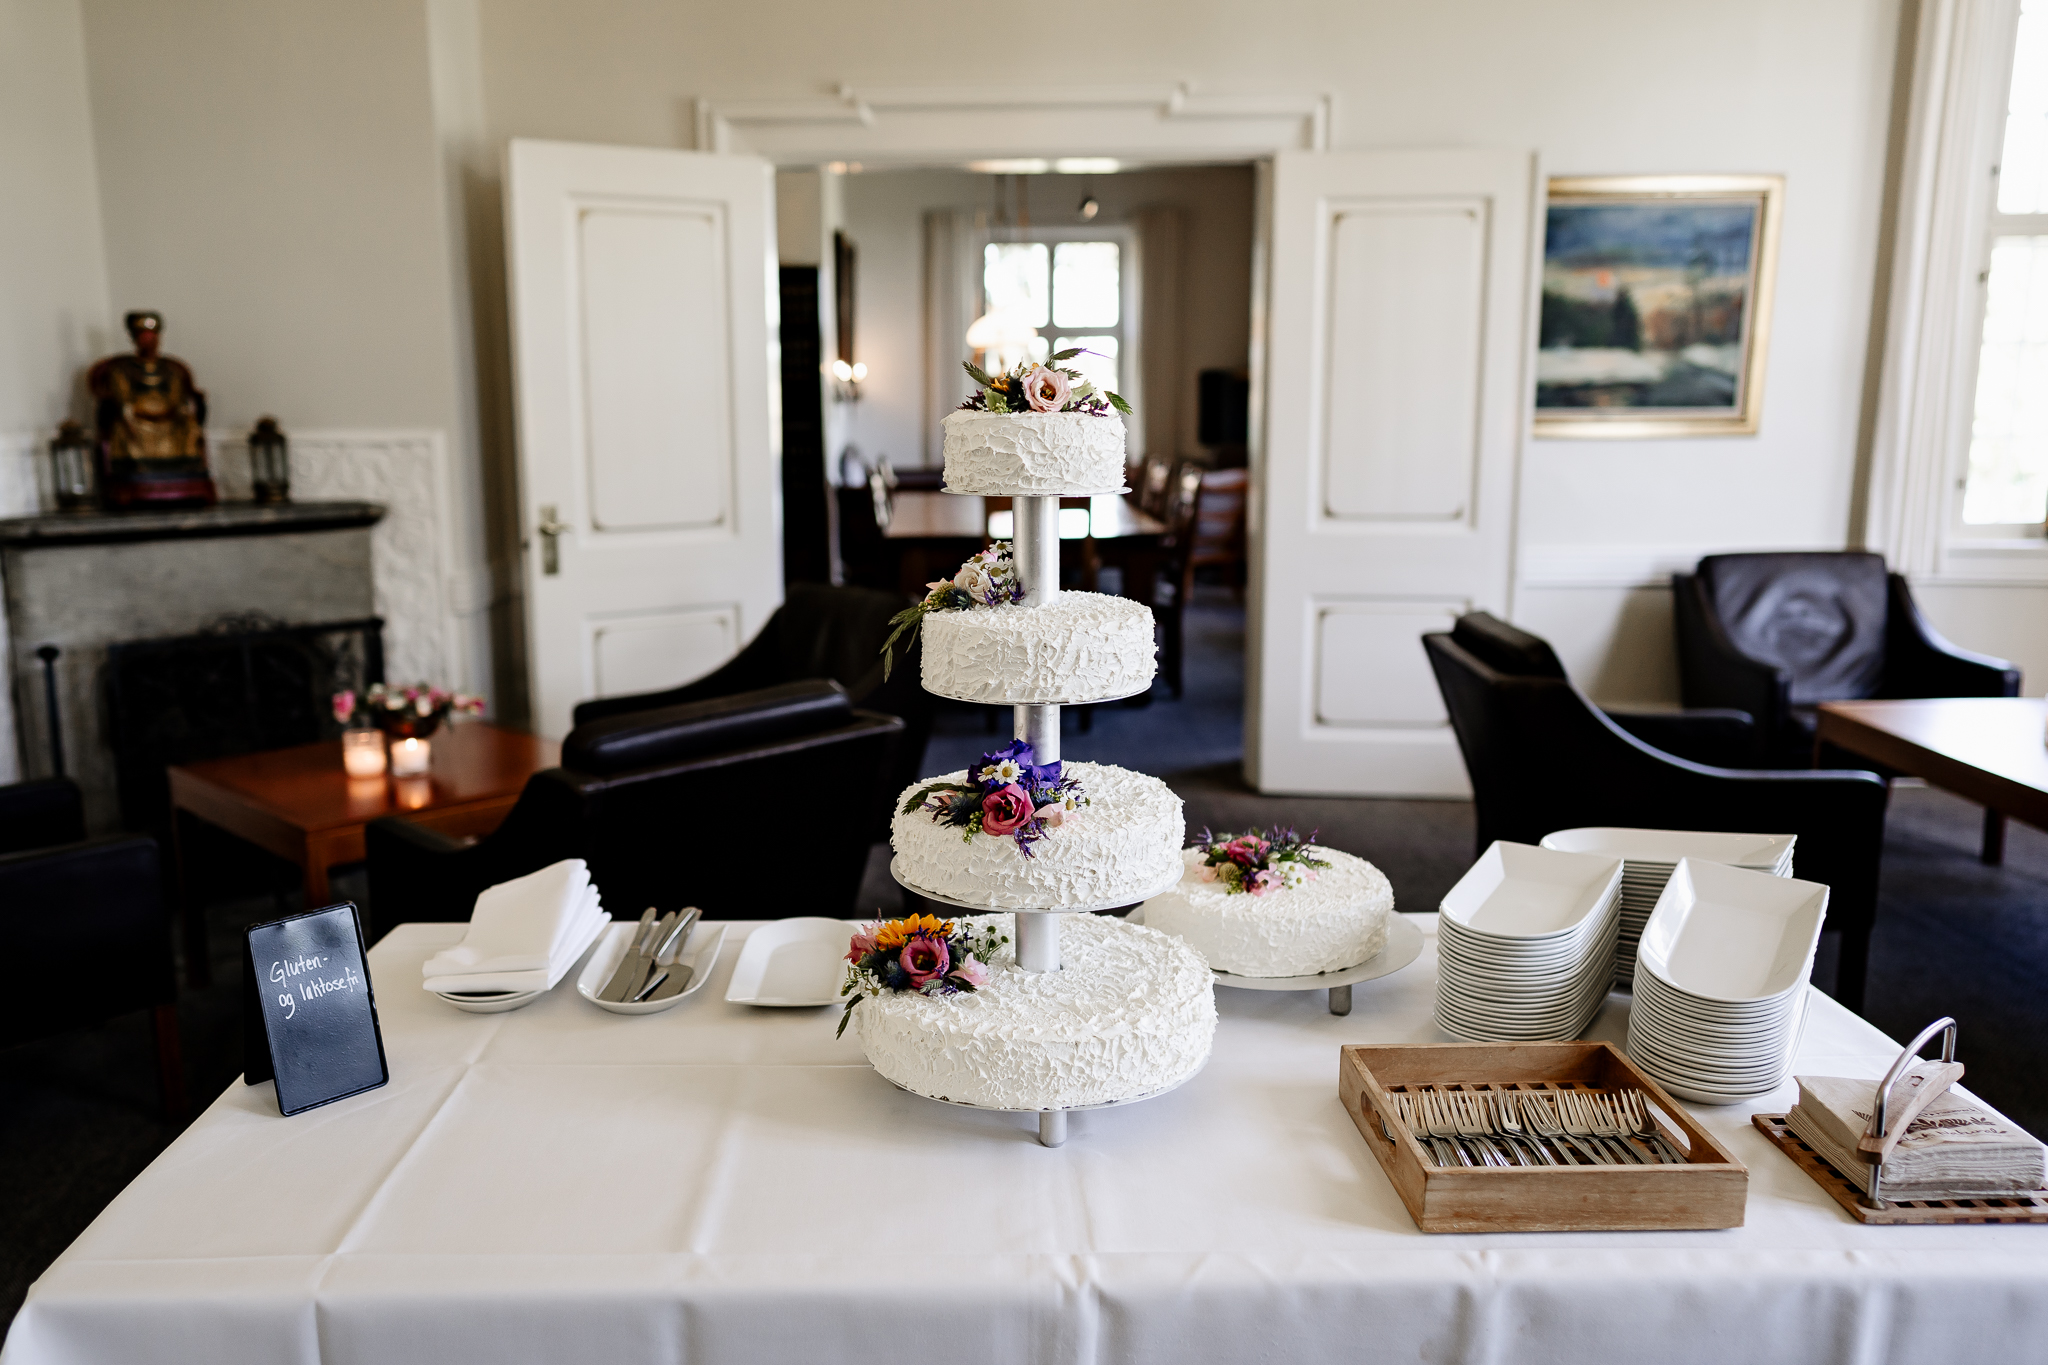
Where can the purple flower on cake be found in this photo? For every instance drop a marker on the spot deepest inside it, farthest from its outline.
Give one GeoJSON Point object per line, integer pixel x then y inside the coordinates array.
{"type": "Point", "coordinates": [1047, 390]}
{"type": "Point", "coordinates": [1257, 862]}
{"type": "Point", "coordinates": [1005, 795]}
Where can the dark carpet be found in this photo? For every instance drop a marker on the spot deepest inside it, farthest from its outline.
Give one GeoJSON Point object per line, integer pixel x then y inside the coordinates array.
{"type": "Point", "coordinates": [79, 1116]}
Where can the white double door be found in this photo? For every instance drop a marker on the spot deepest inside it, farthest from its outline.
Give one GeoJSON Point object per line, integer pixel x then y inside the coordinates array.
{"type": "Point", "coordinates": [644, 297]}
{"type": "Point", "coordinates": [1398, 322]}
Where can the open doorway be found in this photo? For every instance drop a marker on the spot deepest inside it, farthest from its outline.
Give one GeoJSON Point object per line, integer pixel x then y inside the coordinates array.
{"type": "Point", "coordinates": [1150, 272]}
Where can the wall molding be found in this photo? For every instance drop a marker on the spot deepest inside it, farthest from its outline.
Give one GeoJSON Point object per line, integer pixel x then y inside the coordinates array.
{"type": "Point", "coordinates": [885, 125]}
{"type": "Point", "coordinates": [1608, 566]}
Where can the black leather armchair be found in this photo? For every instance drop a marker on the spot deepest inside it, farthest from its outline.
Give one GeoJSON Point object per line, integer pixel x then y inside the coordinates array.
{"type": "Point", "coordinates": [1776, 634]}
{"type": "Point", "coordinates": [1543, 758]}
{"type": "Point", "coordinates": [711, 803]}
{"type": "Point", "coordinates": [76, 910]}
{"type": "Point", "coordinates": [818, 632]}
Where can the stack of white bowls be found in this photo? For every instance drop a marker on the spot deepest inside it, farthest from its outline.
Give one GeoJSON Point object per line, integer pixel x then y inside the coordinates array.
{"type": "Point", "coordinates": [1650, 855]}
{"type": "Point", "coordinates": [1720, 980]}
{"type": "Point", "coordinates": [1525, 944]}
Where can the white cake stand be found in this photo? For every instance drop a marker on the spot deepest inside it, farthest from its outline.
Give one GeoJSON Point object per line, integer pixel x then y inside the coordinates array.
{"type": "Point", "coordinates": [1035, 546]}
{"type": "Point", "coordinates": [1052, 1123]}
{"type": "Point", "coordinates": [1403, 946]}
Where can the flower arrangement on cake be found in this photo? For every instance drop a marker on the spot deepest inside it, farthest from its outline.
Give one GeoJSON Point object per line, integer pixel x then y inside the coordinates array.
{"type": "Point", "coordinates": [403, 712]}
{"type": "Point", "coordinates": [1259, 860]}
{"type": "Point", "coordinates": [989, 579]}
{"type": "Point", "coordinates": [1006, 795]}
{"type": "Point", "coordinates": [1031, 387]}
{"type": "Point", "coordinates": [921, 953]}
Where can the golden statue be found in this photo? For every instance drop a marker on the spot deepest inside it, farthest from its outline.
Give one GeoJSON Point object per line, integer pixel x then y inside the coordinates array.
{"type": "Point", "coordinates": [152, 424]}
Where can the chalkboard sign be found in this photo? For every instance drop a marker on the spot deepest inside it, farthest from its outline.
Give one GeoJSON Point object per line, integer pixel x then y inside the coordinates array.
{"type": "Point", "coordinates": [308, 1015]}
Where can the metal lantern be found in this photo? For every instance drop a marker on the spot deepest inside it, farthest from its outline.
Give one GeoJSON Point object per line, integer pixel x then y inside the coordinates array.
{"type": "Point", "coordinates": [72, 476]}
{"type": "Point", "coordinates": [270, 471]}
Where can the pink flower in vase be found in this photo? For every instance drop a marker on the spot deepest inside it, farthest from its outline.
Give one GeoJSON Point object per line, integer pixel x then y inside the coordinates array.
{"type": "Point", "coordinates": [972, 971]}
{"type": "Point", "coordinates": [344, 705]}
{"type": "Point", "coordinates": [1005, 810]}
{"type": "Point", "coordinates": [925, 959]}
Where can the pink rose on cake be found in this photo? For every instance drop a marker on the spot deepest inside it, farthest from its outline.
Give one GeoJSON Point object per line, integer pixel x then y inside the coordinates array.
{"type": "Point", "coordinates": [1047, 390]}
{"type": "Point", "coordinates": [971, 971]}
{"type": "Point", "coordinates": [1005, 810]}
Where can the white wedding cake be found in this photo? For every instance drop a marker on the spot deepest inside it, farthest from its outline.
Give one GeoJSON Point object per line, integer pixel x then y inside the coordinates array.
{"type": "Point", "coordinates": [1334, 918]}
{"type": "Point", "coordinates": [1130, 1013]}
{"type": "Point", "coordinates": [1083, 646]}
{"type": "Point", "coordinates": [1031, 454]}
{"type": "Point", "coordinates": [1120, 847]}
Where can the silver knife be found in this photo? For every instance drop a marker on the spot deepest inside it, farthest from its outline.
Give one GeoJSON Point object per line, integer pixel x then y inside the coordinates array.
{"type": "Point", "coordinates": [643, 965]}
{"type": "Point", "coordinates": [615, 989]}
{"type": "Point", "coordinates": [679, 975]}
{"type": "Point", "coordinates": [665, 957]}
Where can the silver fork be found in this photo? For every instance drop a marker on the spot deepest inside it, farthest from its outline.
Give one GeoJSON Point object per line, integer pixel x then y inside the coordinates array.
{"type": "Point", "coordinates": [1574, 1130]}
{"type": "Point", "coordinates": [1410, 1105]}
{"type": "Point", "coordinates": [1607, 1127]}
{"type": "Point", "coordinates": [1511, 1128]}
{"type": "Point", "coordinates": [1468, 1111]}
{"type": "Point", "coordinates": [1436, 1114]}
{"type": "Point", "coordinates": [1637, 1117]}
{"type": "Point", "coordinates": [1536, 1112]}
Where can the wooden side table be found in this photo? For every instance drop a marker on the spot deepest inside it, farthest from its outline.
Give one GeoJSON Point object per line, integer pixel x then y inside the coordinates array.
{"type": "Point", "coordinates": [300, 805]}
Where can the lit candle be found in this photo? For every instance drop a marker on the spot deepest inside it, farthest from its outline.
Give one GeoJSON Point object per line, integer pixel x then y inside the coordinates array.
{"type": "Point", "coordinates": [362, 752]}
{"type": "Point", "coordinates": [409, 757]}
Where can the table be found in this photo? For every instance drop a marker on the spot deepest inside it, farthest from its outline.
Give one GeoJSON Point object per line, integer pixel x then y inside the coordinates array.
{"type": "Point", "coordinates": [944, 528]}
{"type": "Point", "coordinates": [300, 805]}
{"type": "Point", "coordinates": [1991, 750]}
{"type": "Point", "coordinates": [720, 1184]}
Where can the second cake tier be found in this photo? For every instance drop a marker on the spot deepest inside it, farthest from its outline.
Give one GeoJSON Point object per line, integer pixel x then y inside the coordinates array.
{"type": "Point", "coordinates": [1080, 647]}
{"type": "Point", "coordinates": [1119, 848]}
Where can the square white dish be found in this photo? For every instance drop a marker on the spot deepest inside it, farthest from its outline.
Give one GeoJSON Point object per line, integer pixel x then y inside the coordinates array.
{"type": "Point", "coordinates": [1731, 935]}
{"type": "Point", "coordinates": [1521, 892]}
{"type": "Point", "coordinates": [1667, 846]}
{"type": "Point", "coordinates": [699, 955]}
{"type": "Point", "coordinates": [792, 963]}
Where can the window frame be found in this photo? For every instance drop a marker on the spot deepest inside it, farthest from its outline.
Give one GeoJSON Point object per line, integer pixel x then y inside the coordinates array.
{"type": "Point", "coordinates": [1130, 324]}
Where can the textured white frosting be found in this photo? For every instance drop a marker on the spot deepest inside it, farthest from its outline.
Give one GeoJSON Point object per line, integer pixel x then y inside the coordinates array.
{"type": "Point", "coordinates": [1081, 646]}
{"type": "Point", "coordinates": [1115, 850]}
{"type": "Point", "coordinates": [1336, 921]}
{"type": "Point", "coordinates": [1131, 1012]}
{"type": "Point", "coordinates": [1032, 454]}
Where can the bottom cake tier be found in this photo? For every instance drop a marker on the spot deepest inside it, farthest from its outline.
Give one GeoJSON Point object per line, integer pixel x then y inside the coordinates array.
{"type": "Point", "coordinates": [1130, 1013]}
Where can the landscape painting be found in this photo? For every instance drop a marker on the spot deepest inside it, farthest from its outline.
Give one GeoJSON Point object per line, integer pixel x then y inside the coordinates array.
{"type": "Point", "coordinates": [1656, 297]}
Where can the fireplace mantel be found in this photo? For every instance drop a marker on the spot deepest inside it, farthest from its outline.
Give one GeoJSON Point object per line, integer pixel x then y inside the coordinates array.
{"type": "Point", "coordinates": [176, 523]}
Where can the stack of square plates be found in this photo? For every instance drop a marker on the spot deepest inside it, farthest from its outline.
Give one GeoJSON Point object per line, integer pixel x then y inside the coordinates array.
{"type": "Point", "coordinates": [1650, 855]}
{"type": "Point", "coordinates": [1720, 980]}
{"type": "Point", "coordinates": [1525, 944]}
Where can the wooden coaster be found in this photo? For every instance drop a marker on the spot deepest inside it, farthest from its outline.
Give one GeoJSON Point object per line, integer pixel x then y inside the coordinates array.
{"type": "Point", "coordinates": [2013, 1209]}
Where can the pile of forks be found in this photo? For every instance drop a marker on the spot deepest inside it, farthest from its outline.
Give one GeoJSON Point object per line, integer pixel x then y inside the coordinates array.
{"type": "Point", "coordinates": [1534, 1128]}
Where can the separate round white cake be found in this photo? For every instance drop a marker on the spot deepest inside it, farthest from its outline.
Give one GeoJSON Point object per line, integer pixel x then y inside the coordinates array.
{"type": "Point", "coordinates": [1033, 454]}
{"type": "Point", "coordinates": [1336, 921]}
{"type": "Point", "coordinates": [1118, 849]}
{"type": "Point", "coordinates": [1130, 1013]}
{"type": "Point", "coordinates": [1081, 646]}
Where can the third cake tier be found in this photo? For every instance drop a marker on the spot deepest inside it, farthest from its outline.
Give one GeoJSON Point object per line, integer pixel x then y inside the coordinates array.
{"type": "Point", "coordinates": [1082, 647]}
{"type": "Point", "coordinates": [1033, 454]}
{"type": "Point", "coordinates": [1120, 847]}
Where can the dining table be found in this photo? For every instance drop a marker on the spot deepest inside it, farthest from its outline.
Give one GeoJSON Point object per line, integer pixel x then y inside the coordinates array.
{"type": "Point", "coordinates": [730, 1183]}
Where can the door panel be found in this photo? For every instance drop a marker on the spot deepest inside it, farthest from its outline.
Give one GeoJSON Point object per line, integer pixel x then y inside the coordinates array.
{"type": "Point", "coordinates": [1397, 322]}
{"type": "Point", "coordinates": [643, 292]}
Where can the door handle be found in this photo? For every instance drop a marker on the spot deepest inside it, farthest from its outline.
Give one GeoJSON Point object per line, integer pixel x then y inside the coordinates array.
{"type": "Point", "coordinates": [550, 529]}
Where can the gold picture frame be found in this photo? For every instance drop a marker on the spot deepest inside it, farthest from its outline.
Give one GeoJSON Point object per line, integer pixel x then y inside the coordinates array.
{"type": "Point", "coordinates": [1670, 277]}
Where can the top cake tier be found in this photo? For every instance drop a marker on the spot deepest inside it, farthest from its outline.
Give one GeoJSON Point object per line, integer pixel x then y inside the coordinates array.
{"type": "Point", "coordinates": [1033, 454]}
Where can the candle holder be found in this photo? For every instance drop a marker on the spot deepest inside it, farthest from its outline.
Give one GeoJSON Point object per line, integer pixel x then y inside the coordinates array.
{"type": "Point", "coordinates": [409, 757]}
{"type": "Point", "coordinates": [270, 470]}
{"type": "Point", "coordinates": [73, 478]}
{"type": "Point", "coordinates": [362, 752]}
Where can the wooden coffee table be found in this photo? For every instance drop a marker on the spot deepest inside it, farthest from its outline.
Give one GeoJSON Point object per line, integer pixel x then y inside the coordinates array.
{"type": "Point", "coordinates": [1990, 750]}
{"type": "Point", "coordinates": [300, 805]}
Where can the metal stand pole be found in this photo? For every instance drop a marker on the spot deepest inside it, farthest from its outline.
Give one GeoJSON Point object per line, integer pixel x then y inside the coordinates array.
{"type": "Point", "coordinates": [1340, 1000]}
{"type": "Point", "coordinates": [1052, 1127]}
{"type": "Point", "coordinates": [1036, 546]}
{"type": "Point", "coordinates": [1038, 941]}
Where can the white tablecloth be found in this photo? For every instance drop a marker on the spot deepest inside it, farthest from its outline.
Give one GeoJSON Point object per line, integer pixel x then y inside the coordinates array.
{"type": "Point", "coordinates": [720, 1183]}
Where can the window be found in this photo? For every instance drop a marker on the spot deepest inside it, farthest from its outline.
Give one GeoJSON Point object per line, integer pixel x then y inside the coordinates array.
{"type": "Point", "coordinates": [1072, 293]}
{"type": "Point", "coordinates": [2007, 480]}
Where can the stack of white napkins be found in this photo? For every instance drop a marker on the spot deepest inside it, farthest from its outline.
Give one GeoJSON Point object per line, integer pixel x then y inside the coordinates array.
{"type": "Point", "coordinates": [524, 935]}
{"type": "Point", "coordinates": [1952, 1150]}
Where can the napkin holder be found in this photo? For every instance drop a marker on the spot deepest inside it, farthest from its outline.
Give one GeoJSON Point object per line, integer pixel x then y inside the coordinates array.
{"type": "Point", "coordinates": [1891, 1120]}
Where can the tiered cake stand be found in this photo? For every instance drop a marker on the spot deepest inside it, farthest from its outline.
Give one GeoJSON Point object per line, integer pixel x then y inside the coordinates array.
{"type": "Point", "coordinates": [1035, 547]}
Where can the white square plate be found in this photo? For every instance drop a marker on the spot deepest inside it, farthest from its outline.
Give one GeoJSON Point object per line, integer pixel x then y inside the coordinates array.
{"type": "Point", "coordinates": [1669, 845]}
{"type": "Point", "coordinates": [792, 963]}
{"type": "Point", "coordinates": [1519, 891]}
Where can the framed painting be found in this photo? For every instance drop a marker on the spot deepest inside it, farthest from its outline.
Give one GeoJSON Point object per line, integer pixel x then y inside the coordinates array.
{"type": "Point", "coordinates": [1656, 310]}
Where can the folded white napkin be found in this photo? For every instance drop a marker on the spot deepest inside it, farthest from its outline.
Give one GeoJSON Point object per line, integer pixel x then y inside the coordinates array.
{"type": "Point", "coordinates": [524, 934]}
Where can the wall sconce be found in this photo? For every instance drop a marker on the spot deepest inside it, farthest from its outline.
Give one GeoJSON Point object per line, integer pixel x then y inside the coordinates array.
{"type": "Point", "coordinates": [847, 379]}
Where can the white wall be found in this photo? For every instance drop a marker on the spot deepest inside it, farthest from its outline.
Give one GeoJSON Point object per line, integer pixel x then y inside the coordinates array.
{"type": "Point", "coordinates": [54, 314]}
{"type": "Point", "coordinates": [885, 218]}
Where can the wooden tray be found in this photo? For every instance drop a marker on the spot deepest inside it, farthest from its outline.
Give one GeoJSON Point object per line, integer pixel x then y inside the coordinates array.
{"type": "Point", "coordinates": [1707, 1192]}
{"type": "Point", "coordinates": [2011, 1209]}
